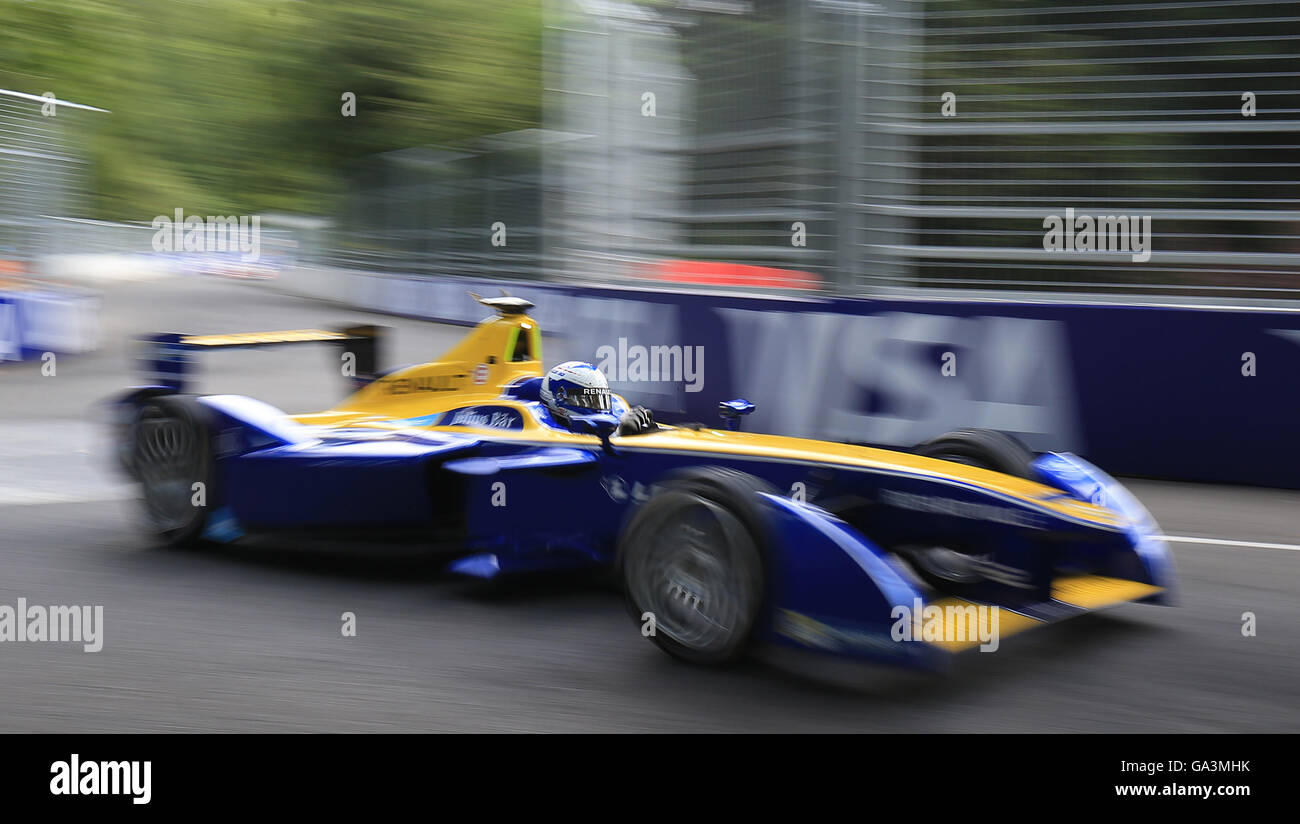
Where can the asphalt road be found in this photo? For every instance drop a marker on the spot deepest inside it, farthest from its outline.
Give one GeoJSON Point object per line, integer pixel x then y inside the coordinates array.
{"type": "Point", "coordinates": [249, 640]}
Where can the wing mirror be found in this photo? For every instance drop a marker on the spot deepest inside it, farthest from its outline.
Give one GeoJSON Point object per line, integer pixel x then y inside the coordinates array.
{"type": "Point", "coordinates": [600, 424]}
{"type": "Point", "coordinates": [733, 409]}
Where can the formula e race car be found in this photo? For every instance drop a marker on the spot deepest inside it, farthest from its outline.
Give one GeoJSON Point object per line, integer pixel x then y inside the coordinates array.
{"type": "Point", "coordinates": [723, 541]}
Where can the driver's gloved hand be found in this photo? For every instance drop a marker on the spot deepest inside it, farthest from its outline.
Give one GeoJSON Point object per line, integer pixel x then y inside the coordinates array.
{"type": "Point", "coordinates": [637, 420]}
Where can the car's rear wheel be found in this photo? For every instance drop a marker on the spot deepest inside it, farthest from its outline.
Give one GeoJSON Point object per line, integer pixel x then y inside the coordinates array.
{"type": "Point", "coordinates": [984, 448]}
{"type": "Point", "coordinates": [691, 565]}
{"type": "Point", "coordinates": [170, 455]}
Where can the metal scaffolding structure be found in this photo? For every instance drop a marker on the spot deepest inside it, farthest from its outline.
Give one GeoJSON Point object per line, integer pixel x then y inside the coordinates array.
{"type": "Point", "coordinates": [41, 171]}
{"type": "Point", "coordinates": [472, 210]}
{"type": "Point", "coordinates": [831, 113]}
{"type": "Point", "coordinates": [1184, 112]}
{"type": "Point", "coordinates": [883, 146]}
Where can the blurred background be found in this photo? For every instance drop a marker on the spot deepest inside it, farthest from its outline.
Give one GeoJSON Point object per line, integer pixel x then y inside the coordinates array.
{"type": "Point", "coordinates": [832, 199]}
{"type": "Point", "coordinates": [668, 140]}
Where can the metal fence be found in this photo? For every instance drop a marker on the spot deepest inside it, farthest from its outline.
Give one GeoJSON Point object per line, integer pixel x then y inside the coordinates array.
{"type": "Point", "coordinates": [924, 144]}
{"type": "Point", "coordinates": [41, 170]}
{"type": "Point", "coordinates": [1183, 112]}
{"type": "Point", "coordinates": [880, 146]}
{"type": "Point", "coordinates": [468, 211]}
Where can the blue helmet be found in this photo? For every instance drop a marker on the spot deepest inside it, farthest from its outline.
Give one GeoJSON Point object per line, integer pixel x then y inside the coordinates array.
{"type": "Point", "coordinates": [575, 388]}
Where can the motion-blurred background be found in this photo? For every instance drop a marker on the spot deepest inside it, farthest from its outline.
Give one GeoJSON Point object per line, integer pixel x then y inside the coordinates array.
{"type": "Point", "coordinates": [841, 203]}
{"type": "Point", "coordinates": [614, 139]}
{"type": "Point", "coordinates": [397, 153]}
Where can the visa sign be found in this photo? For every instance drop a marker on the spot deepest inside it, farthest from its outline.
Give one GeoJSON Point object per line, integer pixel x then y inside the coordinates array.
{"type": "Point", "coordinates": [899, 378]}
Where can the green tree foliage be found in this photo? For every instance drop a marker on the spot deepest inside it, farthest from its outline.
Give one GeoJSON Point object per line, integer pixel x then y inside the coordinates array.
{"type": "Point", "coordinates": [234, 106]}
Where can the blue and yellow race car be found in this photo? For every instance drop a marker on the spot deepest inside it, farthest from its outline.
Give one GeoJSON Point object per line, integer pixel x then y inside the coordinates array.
{"type": "Point", "coordinates": [723, 541]}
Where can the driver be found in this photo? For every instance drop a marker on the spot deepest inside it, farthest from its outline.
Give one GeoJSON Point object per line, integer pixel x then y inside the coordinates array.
{"type": "Point", "coordinates": [577, 388]}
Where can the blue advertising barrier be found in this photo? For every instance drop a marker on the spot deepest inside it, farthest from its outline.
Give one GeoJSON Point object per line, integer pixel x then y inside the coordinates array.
{"type": "Point", "coordinates": [11, 338]}
{"type": "Point", "coordinates": [35, 321]}
{"type": "Point", "coordinates": [1184, 393]}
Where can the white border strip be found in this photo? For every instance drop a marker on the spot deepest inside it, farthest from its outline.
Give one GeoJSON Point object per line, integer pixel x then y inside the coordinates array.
{"type": "Point", "coordinates": [42, 99]}
{"type": "Point", "coordinates": [1177, 539]}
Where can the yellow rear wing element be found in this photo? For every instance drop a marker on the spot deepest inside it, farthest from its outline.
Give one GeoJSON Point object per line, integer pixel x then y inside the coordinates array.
{"type": "Point", "coordinates": [167, 359]}
{"type": "Point", "coordinates": [264, 338]}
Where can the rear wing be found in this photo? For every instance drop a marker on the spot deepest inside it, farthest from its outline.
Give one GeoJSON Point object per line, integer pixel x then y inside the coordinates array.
{"type": "Point", "coordinates": [167, 359]}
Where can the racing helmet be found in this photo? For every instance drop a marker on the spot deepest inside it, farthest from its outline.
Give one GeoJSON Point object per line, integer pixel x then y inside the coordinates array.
{"type": "Point", "coordinates": [575, 388]}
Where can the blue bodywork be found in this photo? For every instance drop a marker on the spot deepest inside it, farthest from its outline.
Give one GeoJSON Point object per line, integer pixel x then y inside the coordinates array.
{"type": "Point", "coordinates": [506, 505]}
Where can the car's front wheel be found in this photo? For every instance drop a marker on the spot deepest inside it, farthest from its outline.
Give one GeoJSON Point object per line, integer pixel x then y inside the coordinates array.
{"type": "Point", "coordinates": [691, 565]}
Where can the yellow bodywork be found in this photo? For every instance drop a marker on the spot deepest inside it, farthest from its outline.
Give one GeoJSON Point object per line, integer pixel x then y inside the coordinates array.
{"type": "Point", "coordinates": [255, 338]}
{"type": "Point", "coordinates": [1088, 592]}
{"type": "Point", "coordinates": [499, 351]}
{"type": "Point", "coordinates": [507, 348]}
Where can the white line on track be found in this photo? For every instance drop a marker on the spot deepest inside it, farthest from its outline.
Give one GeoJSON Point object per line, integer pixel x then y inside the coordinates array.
{"type": "Point", "coordinates": [1179, 539]}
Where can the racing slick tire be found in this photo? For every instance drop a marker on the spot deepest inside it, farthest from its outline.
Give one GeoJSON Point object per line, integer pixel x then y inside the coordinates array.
{"type": "Point", "coordinates": [691, 564]}
{"type": "Point", "coordinates": [952, 570]}
{"type": "Point", "coordinates": [984, 448]}
{"type": "Point", "coordinates": [169, 452]}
